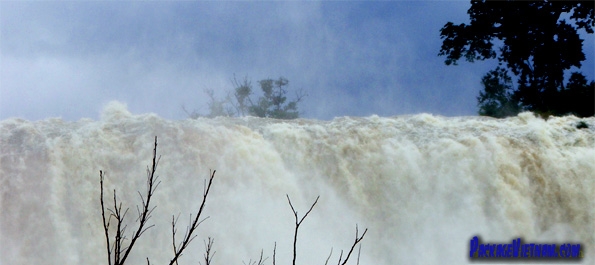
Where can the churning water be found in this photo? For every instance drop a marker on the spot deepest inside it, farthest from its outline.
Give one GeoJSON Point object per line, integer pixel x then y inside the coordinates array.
{"type": "Point", "coordinates": [423, 185]}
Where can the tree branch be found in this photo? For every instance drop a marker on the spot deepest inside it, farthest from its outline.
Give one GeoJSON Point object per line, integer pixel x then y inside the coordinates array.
{"type": "Point", "coordinates": [190, 230]}
{"type": "Point", "coordinates": [208, 256]}
{"type": "Point", "coordinates": [105, 223]}
{"type": "Point", "coordinates": [115, 250]}
{"type": "Point", "coordinates": [274, 252]}
{"type": "Point", "coordinates": [297, 223]}
{"type": "Point", "coordinates": [145, 215]}
{"type": "Point", "coordinates": [357, 240]}
{"type": "Point", "coordinates": [260, 261]}
{"type": "Point", "coordinates": [329, 257]}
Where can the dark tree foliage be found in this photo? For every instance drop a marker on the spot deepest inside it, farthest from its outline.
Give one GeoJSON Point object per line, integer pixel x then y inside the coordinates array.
{"type": "Point", "coordinates": [578, 96]}
{"type": "Point", "coordinates": [497, 99]}
{"type": "Point", "coordinates": [272, 104]}
{"type": "Point", "coordinates": [242, 93]}
{"type": "Point", "coordinates": [538, 45]}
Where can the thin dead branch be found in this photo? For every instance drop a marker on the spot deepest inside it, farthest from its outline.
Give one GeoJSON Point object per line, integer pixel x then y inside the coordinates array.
{"type": "Point", "coordinates": [174, 221]}
{"type": "Point", "coordinates": [274, 252]}
{"type": "Point", "coordinates": [189, 235]}
{"type": "Point", "coordinates": [116, 251]}
{"type": "Point", "coordinates": [359, 251]}
{"type": "Point", "coordinates": [357, 240]}
{"type": "Point", "coordinates": [329, 257]}
{"type": "Point", "coordinates": [260, 260]}
{"type": "Point", "coordinates": [192, 115]}
{"type": "Point", "coordinates": [297, 223]}
{"type": "Point", "coordinates": [340, 256]}
{"type": "Point", "coordinates": [106, 223]}
{"type": "Point", "coordinates": [208, 248]}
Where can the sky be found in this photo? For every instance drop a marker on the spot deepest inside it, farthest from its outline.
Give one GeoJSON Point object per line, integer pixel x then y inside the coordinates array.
{"type": "Point", "coordinates": [69, 59]}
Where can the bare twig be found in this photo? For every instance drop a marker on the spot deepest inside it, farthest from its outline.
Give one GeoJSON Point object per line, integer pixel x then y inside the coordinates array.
{"type": "Point", "coordinates": [189, 236]}
{"type": "Point", "coordinates": [274, 252]}
{"type": "Point", "coordinates": [359, 251]}
{"type": "Point", "coordinates": [300, 94]}
{"type": "Point", "coordinates": [119, 240]}
{"type": "Point", "coordinates": [208, 247]}
{"type": "Point", "coordinates": [106, 223]}
{"type": "Point", "coordinates": [260, 261]}
{"type": "Point", "coordinates": [297, 223]}
{"type": "Point", "coordinates": [145, 215]}
{"type": "Point", "coordinates": [192, 115]}
{"type": "Point", "coordinates": [357, 240]}
{"type": "Point", "coordinates": [117, 251]}
{"type": "Point", "coordinates": [329, 257]}
{"type": "Point", "coordinates": [340, 256]}
{"type": "Point", "coordinates": [174, 221]}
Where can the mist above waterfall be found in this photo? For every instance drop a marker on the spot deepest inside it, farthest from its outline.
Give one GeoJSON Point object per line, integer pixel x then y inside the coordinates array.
{"type": "Point", "coordinates": [423, 185]}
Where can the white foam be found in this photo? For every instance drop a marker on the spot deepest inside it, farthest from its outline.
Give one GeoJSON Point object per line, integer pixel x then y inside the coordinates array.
{"type": "Point", "coordinates": [424, 185]}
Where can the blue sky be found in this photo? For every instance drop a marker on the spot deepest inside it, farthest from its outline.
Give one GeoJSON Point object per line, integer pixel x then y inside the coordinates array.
{"type": "Point", "coordinates": [68, 59]}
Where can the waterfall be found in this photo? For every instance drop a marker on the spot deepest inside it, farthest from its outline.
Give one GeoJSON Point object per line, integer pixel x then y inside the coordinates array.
{"type": "Point", "coordinates": [423, 185]}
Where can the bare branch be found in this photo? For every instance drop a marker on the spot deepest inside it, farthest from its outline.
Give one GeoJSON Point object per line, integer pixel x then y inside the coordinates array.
{"type": "Point", "coordinates": [274, 252]}
{"type": "Point", "coordinates": [105, 223]}
{"type": "Point", "coordinates": [329, 257]}
{"type": "Point", "coordinates": [357, 240]}
{"type": "Point", "coordinates": [299, 95]}
{"type": "Point", "coordinates": [260, 261]}
{"type": "Point", "coordinates": [208, 247]}
{"type": "Point", "coordinates": [173, 232]}
{"type": "Point", "coordinates": [192, 115]}
{"type": "Point", "coordinates": [188, 237]}
{"type": "Point", "coordinates": [340, 256]}
{"type": "Point", "coordinates": [119, 237]}
{"type": "Point", "coordinates": [146, 211]}
{"type": "Point", "coordinates": [359, 251]}
{"type": "Point", "coordinates": [297, 223]}
{"type": "Point", "coordinates": [117, 251]}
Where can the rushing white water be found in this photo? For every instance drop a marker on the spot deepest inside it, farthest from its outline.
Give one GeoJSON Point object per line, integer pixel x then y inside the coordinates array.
{"type": "Point", "coordinates": [423, 185]}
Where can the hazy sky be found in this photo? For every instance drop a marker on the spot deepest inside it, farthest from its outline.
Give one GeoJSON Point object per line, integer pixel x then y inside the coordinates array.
{"type": "Point", "coordinates": [68, 59]}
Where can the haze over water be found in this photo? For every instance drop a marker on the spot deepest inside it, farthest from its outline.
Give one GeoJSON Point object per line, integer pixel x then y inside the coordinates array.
{"type": "Point", "coordinates": [423, 185]}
